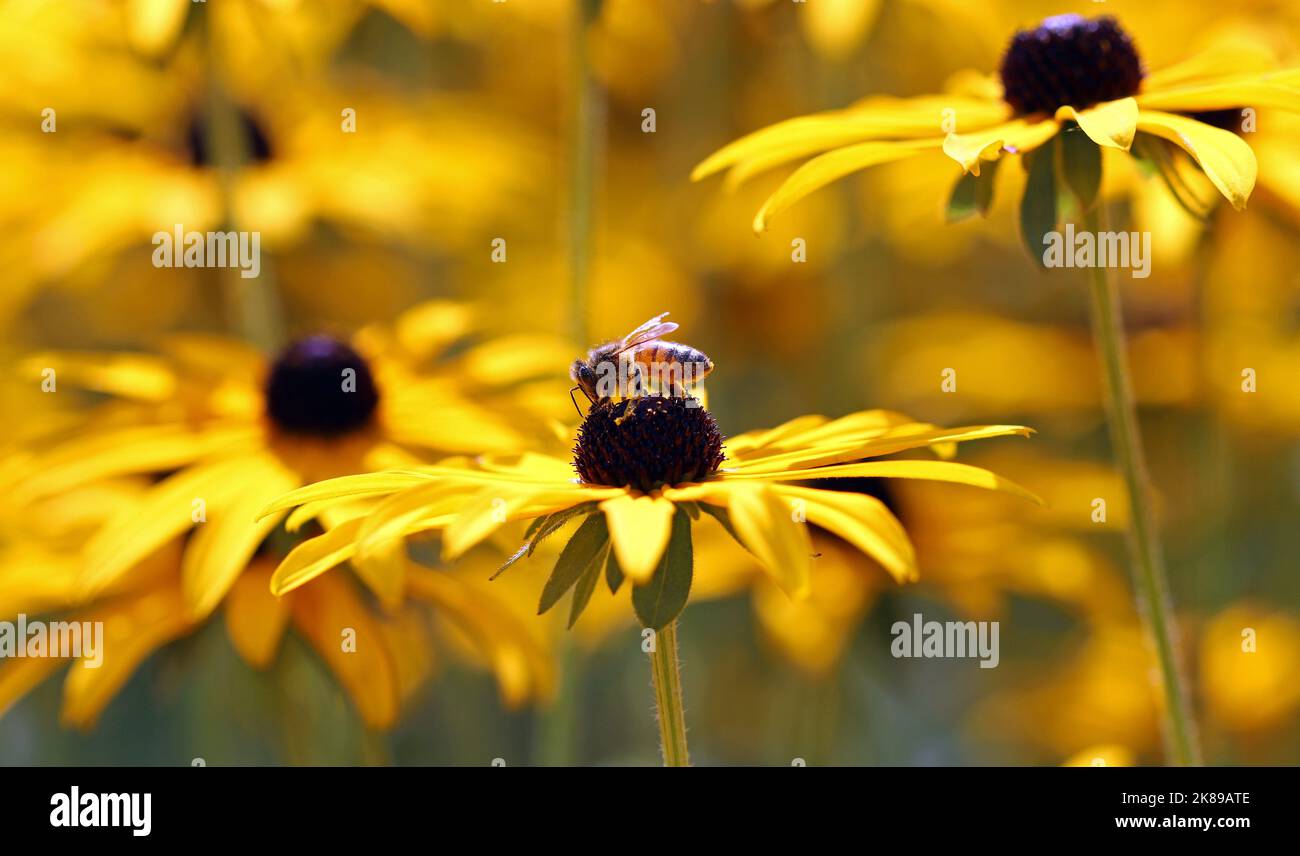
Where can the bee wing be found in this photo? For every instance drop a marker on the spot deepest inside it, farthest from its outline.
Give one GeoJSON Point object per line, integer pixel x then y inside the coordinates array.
{"type": "Point", "coordinates": [647, 332]}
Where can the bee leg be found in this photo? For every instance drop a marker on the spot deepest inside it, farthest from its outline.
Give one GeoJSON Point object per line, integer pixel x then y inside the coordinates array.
{"type": "Point", "coordinates": [629, 410]}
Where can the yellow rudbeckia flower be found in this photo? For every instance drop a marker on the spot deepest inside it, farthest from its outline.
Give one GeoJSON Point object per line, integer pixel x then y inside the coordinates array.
{"type": "Point", "coordinates": [1068, 71]}
{"type": "Point", "coordinates": [642, 482]}
{"type": "Point", "coordinates": [647, 467]}
{"type": "Point", "coordinates": [224, 432]}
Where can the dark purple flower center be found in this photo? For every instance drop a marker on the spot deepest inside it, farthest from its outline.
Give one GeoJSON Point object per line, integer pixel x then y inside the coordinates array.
{"type": "Point", "coordinates": [320, 387]}
{"type": "Point", "coordinates": [647, 442]}
{"type": "Point", "coordinates": [1069, 59]}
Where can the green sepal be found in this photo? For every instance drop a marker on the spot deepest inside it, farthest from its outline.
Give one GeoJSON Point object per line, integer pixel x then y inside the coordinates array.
{"type": "Point", "coordinates": [972, 194]}
{"type": "Point", "coordinates": [1080, 168]}
{"type": "Point", "coordinates": [660, 601]}
{"type": "Point", "coordinates": [586, 585]}
{"type": "Point", "coordinates": [542, 527]}
{"type": "Point", "coordinates": [613, 573]}
{"type": "Point", "coordinates": [583, 548]}
{"type": "Point", "coordinates": [1038, 206]}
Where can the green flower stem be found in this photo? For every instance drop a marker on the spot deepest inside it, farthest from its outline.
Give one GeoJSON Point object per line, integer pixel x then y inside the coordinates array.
{"type": "Point", "coordinates": [255, 303]}
{"type": "Point", "coordinates": [668, 697]}
{"type": "Point", "coordinates": [1144, 545]}
{"type": "Point", "coordinates": [557, 726]}
{"type": "Point", "coordinates": [586, 134]}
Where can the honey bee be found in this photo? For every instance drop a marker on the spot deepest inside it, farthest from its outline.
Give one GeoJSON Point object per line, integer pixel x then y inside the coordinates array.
{"type": "Point", "coordinates": [642, 353]}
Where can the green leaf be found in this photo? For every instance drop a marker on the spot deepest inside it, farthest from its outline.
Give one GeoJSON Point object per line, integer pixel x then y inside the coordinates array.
{"type": "Point", "coordinates": [660, 601]}
{"type": "Point", "coordinates": [961, 202]}
{"type": "Point", "coordinates": [542, 527]}
{"type": "Point", "coordinates": [972, 194]}
{"type": "Point", "coordinates": [1158, 154]}
{"type": "Point", "coordinates": [585, 545]}
{"type": "Point", "coordinates": [1080, 167]}
{"type": "Point", "coordinates": [587, 585]}
{"type": "Point", "coordinates": [1038, 205]}
{"type": "Point", "coordinates": [537, 523]}
{"type": "Point", "coordinates": [613, 573]}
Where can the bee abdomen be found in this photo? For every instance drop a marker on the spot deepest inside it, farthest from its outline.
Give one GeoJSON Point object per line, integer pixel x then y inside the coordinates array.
{"type": "Point", "coordinates": [665, 353]}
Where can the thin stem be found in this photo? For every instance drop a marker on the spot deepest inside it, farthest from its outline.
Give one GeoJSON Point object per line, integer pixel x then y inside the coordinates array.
{"type": "Point", "coordinates": [557, 726]}
{"type": "Point", "coordinates": [668, 698]}
{"type": "Point", "coordinates": [584, 157]}
{"type": "Point", "coordinates": [1144, 545]}
{"type": "Point", "coordinates": [253, 302]}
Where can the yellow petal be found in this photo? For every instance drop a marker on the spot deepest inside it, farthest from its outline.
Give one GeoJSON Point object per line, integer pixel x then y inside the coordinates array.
{"type": "Point", "coordinates": [152, 26]}
{"type": "Point", "coordinates": [392, 518]}
{"type": "Point", "coordinates": [309, 511]}
{"type": "Point", "coordinates": [1277, 91]}
{"type": "Point", "coordinates": [428, 328]}
{"type": "Point", "coordinates": [315, 556]}
{"type": "Point", "coordinates": [255, 618]}
{"type": "Point", "coordinates": [523, 667]}
{"type": "Point", "coordinates": [1224, 59]}
{"type": "Point", "coordinates": [812, 634]}
{"type": "Point", "coordinates": [337, 624]}
{"type": "Point", "coordinates": [851, 448]}
{"type": "Point", "coordinates": [127, 451]}
{"type": "Point", "coordinates": [133, 629]}
{"type": "Point", "coordinates": [496, 505]}
{"type": "Point", "coordinates": [345, 486]}
{"type": "Point", "coordinates": [511, 359]}
{"type": "Point", "coordinates": [822, 170]}
{"type": "Point", "coordinates": [166, 510]}
{"type": "Point", "coordinates": [639, 527]}
{"type": "Point", "coordinates": [766, 526]}
{"type": "Point", "coordinates": [1224, 157]}
{"type": "Point", "coordinates": [944, 471]}
{"type": "Point", "coordinates": [138, 376]}
{"type": "Point", "coordinates": [1111, 124]}
{"type": "Point", "coordinates": [1018, 136]}
{"type": "Point", "coordinates": [383, 569]}
{"type": "Point", "coordinates": [836, 28]}
{"type": "Point", "coordinates": [864, 522]}
{"type": "Point", "coordinates": [876, 118]}
{"type": "Point", "coordinates": [35, 579]}
{"type": "Point", "coordinates": [408, 639]}
{"type": "Point", "coordinates": [461, 427]}
{"type": "Point", "coordinates": [763, 438]}
{"type": "Point", "coordinates": [226, 541]}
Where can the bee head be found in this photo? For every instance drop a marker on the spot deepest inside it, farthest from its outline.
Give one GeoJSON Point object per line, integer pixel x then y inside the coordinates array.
{"type": "Point", "coordinates": [584, 376]}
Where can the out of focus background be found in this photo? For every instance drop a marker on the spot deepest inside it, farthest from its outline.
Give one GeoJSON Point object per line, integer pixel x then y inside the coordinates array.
{"type": "Point", "coordinates": [531, 158]}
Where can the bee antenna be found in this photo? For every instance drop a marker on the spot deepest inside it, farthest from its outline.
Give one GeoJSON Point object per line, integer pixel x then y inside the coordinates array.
{"type": "Point", "coordinates": [575, 401]}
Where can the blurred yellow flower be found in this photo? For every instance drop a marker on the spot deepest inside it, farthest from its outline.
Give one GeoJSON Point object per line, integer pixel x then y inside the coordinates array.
{"type": "Point", "coordinates": [224, 433]}
{"type": "Point", "coordinates": [1106, 755]}
{"type": "Point", "coordinates": [250, 141]}
{"type": "Point", "coordinates": [1103, 693]}
{"type": "Point", "coordinates": [1250, 667]}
